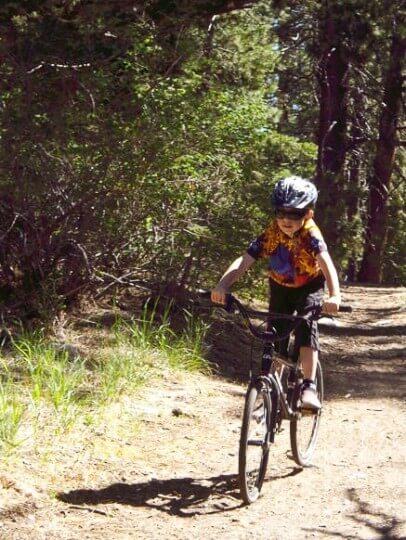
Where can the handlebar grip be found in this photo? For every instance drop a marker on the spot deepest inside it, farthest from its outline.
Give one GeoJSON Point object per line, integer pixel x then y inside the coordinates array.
{"type": "Point", "coordinates": [229, 300]}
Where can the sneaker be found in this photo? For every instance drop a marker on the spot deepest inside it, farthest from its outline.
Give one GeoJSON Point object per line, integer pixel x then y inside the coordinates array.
{"type": "Point", "coordinates": [310, 399]}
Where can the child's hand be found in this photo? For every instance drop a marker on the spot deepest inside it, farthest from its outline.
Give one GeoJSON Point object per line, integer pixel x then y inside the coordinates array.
{"type": "Point", "coordinates": [218, 295]}
{"type": "Point", "coordinates": [331, 305]}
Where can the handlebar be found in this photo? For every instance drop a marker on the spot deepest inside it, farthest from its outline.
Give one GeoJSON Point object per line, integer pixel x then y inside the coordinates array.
{"type": "Point", "coordinates": [233, 304]}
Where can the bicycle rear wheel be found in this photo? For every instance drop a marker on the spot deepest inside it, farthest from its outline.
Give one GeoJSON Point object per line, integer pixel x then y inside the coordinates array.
{"type": "Point", "coordinates": [254, 441]}
{"type": "Point", "coordinates": [304, 428]}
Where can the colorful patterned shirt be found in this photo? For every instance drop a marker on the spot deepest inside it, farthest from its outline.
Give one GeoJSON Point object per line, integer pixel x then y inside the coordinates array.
{"type": "Point", "coordinates": [291, 261]}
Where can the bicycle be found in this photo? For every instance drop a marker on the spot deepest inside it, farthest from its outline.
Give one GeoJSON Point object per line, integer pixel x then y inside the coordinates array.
{"type": "Point", "coordinates": [272, 398]}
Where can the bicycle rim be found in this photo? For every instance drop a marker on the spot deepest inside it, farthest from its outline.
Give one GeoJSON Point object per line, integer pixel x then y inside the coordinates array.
{"type": "Point", "coordinates": [304, 429]}
{"type": "Point", "coordinates": [254, 443]}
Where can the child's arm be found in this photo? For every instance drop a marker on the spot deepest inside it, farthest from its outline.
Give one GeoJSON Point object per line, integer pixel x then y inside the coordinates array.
{"type": "Point", "coordinates": [330, 273]}
{"type": "Point", "coordinates": [230, 276]}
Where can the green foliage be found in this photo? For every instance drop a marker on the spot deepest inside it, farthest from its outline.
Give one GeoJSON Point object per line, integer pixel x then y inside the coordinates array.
{"type": "Point", "coordinates": [148, 147]}
{"type": "Point", "coordinates": [157, 159]}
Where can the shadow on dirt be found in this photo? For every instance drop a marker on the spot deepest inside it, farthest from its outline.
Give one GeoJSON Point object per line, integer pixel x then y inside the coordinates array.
{"type": "Point", "coordinates": [381, 525]}
{"type": "Point", "coordinates": [183, 497]}
{"type": "Point", "coordinates": [368, 331]}
{"type": "Point", "coordinates": [358, 377]}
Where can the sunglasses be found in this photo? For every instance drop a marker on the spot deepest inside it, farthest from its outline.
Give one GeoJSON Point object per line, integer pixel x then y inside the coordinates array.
{"type": "Point", "coordinates": [295, 215]}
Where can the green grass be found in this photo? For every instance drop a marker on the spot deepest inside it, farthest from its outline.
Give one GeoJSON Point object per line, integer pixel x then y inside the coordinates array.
{"type": "Point", "coordinates": [187, 351]}
{"type": "Point", "coordinates": [43, 387]}
{"type": "Point", "coordinates": [49, 374]}
{"type": "Point", "coordinates": [12, 411]}
{"type": "Point", "coordinates": [144, 346]}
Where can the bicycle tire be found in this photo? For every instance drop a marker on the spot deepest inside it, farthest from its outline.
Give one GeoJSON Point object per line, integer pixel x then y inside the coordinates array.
{"type": "Point", "coordinates": [255, 440]}
{"type": "Point", "coordinates": [304, 428]}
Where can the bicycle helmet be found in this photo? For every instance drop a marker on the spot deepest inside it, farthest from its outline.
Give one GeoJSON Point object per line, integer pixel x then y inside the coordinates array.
{"type": "Point", "coordinates": [294, 192]}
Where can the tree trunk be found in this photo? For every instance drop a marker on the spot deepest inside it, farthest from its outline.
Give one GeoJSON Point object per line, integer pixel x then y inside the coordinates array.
{"type": "Point", "coordinates": [380, 180]}
{"type": "Point", "coordinates": [331, 137]}
{"type": "Point", "coordinates": [353, 187]}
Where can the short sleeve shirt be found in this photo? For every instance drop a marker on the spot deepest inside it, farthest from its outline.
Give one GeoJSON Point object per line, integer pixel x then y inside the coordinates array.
{"type": "Point", "coordinates": [291, 261]}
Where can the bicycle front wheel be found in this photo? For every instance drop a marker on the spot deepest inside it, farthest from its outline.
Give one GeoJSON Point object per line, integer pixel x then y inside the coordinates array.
{"type": "Point", "coordinates": [304, 428]}
{"type": "Point", "coordinates": [254, 442]}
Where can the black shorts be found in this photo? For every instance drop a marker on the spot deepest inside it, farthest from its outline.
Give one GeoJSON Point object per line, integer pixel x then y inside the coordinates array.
{"type": "Point", "coordinates": [288, 300]}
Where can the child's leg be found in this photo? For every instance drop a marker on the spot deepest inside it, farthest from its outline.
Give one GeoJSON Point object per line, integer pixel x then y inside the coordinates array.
{"type": "Point", "coordinates": [308, 359]}
{"type": "Point", "coordinates": [307, 341]}
{"type": "Point", "coordinates": [307, 333]}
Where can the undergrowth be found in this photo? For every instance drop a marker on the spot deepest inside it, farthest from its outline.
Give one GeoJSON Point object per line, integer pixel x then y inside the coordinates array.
{"type": "Point", "coordinates": [45, 385]}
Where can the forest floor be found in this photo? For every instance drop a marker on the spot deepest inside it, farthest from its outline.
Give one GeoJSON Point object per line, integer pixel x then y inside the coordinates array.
{"type": "Point", "coordinates": [172, 473]}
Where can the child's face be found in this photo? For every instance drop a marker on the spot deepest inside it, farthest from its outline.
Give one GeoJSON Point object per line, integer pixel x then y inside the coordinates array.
{"type": "Point", "coordinates": [289, 223]}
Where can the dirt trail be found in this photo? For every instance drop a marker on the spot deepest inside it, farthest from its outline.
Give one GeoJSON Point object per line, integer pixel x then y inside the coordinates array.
{"type": "Point", "coordinates": [176, 478]}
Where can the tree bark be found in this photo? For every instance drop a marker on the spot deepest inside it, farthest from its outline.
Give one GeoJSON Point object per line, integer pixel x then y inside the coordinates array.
{"type": "Point", "coordinates": [331, 136]}
{"type": "Point", "coordinates": [353, 185]}
{"type": "Point", "coordinates": [380, 180]}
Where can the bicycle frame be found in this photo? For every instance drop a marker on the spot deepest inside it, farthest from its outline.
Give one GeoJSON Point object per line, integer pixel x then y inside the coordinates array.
{"type": "Point", "coordinates": [288, 413]}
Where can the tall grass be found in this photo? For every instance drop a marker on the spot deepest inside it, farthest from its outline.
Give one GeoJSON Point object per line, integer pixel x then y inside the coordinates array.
{"type": "Point", "coordinates": [180, 350]}
{"type": "Point", "coordinates": [11, 414]}
{"type": "Point", "coordinates": [144, 346]}
{"type": "Point", "coordinates": [187, 351]}
{"type": "Point", "coordinates": [119, 370]}
{"type": "Point", "coordinates": [150, 330]}
{"type": "Point", "coordinates": [50, 374]}
{"type": "Point", "coordinates": [37, 377]}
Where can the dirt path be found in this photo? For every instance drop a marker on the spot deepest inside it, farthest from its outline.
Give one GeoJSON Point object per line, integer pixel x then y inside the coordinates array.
{"type": "Point", "coordinates": [175, 476]}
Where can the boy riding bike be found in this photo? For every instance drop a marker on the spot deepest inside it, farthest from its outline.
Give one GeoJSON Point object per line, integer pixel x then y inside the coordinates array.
{"type": "Point", "coordinates": [298, 267]}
